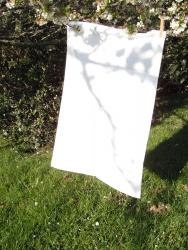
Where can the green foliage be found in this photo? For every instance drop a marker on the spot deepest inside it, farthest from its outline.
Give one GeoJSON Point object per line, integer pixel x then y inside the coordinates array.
{"type": "Point", "coordinates": [175, 64]}
{"type": "Point", "coordinates": [32, 86]}
{"type": "Point", "coordinates": [135, 15]}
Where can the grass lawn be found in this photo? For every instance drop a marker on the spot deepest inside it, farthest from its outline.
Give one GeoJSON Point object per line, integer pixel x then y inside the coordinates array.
{"type": "Point", "coordinates": [44, 208]}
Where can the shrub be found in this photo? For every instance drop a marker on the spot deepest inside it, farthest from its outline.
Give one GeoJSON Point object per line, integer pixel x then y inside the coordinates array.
{"type": "Point", "coordinates": [31, 80]}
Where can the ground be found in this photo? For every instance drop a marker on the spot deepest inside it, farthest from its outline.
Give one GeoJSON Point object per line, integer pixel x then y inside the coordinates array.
{"type": "Point", "coordinates": [45, 208]}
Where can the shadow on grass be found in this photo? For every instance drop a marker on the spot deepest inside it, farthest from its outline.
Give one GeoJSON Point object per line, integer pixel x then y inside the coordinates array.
{"type": "Point", "coordinates": [169, 158]}
{"type": "Point", "coordinates": [166, 104]}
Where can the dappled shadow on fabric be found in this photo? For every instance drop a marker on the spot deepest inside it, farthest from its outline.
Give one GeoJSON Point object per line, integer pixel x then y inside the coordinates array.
{"type": "Point", "coordinates": [170, 157]}
{"type": "Point", "coordinates": [134, 64]}
{"type": "Point", "coordinates": [138, 62]}
{"type": "Point", "coordinates": [135, 61]}
{"type": "Point", "coordinates": [114, 86]}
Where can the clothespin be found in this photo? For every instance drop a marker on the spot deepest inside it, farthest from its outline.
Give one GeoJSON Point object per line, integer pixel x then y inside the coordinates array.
{"type": "Point", "coordinates": [162, 25]}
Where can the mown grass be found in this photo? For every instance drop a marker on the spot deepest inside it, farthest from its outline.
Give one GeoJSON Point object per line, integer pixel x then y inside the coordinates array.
{"type": "Point", "coordinates": [45, 208]}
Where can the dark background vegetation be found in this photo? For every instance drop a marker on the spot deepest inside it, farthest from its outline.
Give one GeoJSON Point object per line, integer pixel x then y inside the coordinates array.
{"type": "Point", "coordinates": [32, 63]}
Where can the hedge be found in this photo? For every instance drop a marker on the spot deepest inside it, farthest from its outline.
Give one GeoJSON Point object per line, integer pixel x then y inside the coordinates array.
{"type": "Point", "coordinates": [32, 63]}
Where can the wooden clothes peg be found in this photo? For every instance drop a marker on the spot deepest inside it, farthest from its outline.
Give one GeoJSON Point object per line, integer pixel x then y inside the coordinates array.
{"type": "Point", "coordinates": [162, 25]}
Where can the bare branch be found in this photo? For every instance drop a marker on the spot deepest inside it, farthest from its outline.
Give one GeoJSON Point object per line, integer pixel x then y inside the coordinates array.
{"type": "Point", "coordinates": [30, 44]}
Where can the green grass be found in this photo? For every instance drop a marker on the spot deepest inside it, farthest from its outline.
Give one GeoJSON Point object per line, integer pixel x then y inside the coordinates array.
{"type": "Point", "coordinates": [45, 208]}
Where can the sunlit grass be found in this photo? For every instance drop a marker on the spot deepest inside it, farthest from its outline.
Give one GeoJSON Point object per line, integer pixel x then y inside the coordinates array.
{"type": "Point", "coordinates": [45, 208]}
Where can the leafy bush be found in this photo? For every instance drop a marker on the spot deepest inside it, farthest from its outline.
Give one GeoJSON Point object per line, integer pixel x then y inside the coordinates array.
{"type": "Point", "coordinates": [174, 70]}
{"type": "Point", "coordinates": [32, 86]}
{"type": "Point", "coordinates": [31, 80]}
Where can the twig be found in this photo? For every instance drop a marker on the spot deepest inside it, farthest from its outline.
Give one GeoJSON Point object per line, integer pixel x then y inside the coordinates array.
{"type": "Point", "coordinates": [30, 44]}
{"type": "Point", "coordinates": [51, 34]}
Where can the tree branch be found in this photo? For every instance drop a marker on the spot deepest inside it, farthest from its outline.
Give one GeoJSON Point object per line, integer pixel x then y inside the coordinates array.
{"type": "Point", "coordinates": [31, 44]}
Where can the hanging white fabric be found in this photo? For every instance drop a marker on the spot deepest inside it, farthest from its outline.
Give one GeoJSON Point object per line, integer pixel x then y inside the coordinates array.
{"type": "Point", "coordinates": [107, 104]}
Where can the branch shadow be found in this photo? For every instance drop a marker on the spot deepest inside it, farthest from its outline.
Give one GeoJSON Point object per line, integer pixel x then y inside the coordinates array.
{"type": "Point", "coordinates": [141, 55]}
